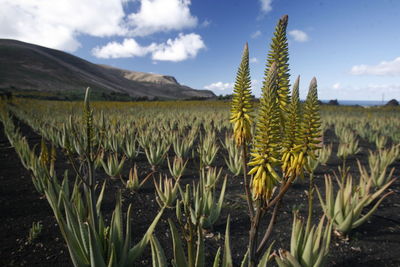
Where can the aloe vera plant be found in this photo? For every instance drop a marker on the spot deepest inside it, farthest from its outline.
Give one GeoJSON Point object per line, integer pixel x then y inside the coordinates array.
{"type": "Point", "coordinates": [183, 144]}
{"type": "Point", "coordinates": [382, 158]}
{"type": "Point", "coordinates": [134, 184]}
{"type": "Point", "coordinates": [212, 207]}
{"type": "Point", "coordinates": [91, 242]}
{"type": "Point", "coordinates": [348, 145]}
{"type": "Point", "coordinates": [167, 192]}
{"type": "Point", "coordinates": [309, 247]}
{"type": "Point", "coordinates": [114, 166]}
{"type": "Point", "coordinates": [177, 167]}
{"type": "Point", "coordinates": [378, 177]}
{"type": "Point", "coordinates": [345, 210]}
{"type": "Point", "coordinates": [78, 213]}
{"type": "Point", "coordinates": [131, 148]}
{"type": "Point", "coordinates": [234, 162]}
{"type": "Point", "coordinates": [284, 137]}
{"type": "Point", "coordinates": [207, 149]}
{"type": "Point", "coordinates": [156, 152]}
{"type": "Point", "coordinates": [34, 231]}
{"type": "Point", "coordinates": [180, 259]}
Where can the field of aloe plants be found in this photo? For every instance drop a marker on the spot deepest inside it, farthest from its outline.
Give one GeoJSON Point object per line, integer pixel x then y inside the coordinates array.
{"type": "Point", "coordinates": [275, 182]}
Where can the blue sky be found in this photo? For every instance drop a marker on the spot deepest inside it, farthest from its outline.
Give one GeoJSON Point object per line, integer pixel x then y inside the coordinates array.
{"type": "Point", "coordinates": [352, 47]}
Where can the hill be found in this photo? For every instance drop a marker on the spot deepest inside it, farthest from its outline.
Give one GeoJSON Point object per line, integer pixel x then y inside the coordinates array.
{"type": "Point", "coordinates": [31, 69]}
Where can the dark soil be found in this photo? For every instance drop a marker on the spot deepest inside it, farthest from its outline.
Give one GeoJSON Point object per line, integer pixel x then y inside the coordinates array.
{"type": "Point", "coordinates": [376, 243]}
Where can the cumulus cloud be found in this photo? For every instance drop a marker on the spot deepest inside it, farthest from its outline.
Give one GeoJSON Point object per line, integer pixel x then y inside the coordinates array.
{"type": "Point", "coordinates": [299, 36]}
{"type": "Point", "coordinates": [58, 24]}
{"type": "Point", "coordinates": [183, 47]}
{"type": "Point", "coordinates": [161, 16]}
{"type": "Point", "coordinates": [384, 68]}
{"type": "Point", "coordinates": [255, 34]}
{"type": "Point", "coordinates": [128, 48]}
{"type": "Point", "coordinates": [266, 5]}
{"type": "Point", "coordinates": [219, 86]}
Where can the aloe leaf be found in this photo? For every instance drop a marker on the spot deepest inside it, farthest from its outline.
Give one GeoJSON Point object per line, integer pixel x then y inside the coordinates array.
{"type": "Point", "coordinates": [128, 234]}
{"type": "Point", "coordinates": [319, 235]}
{"type": "Point", "coordinates": [374, 208]}
{"type": "Point", "coordinates": [280, 262]}
{"type": "Point", "coordinates": [227, 259]}
{"type": "Point", "coordinates": [116, 228]}
{"type": "Point", "coordinates": [100, 198]}
{"type": "Point", "coordinates": [200, 249]}
{"type": "Point", "coordinates": [157, 253]}
{"type": "Point", "coordinates": [179, 254]}
{"type": "Point", "coordinates": [293, 261]}
{"type": "Point", "coordinates": [306, 256]}
{"type": "Point", "coordinates": [297, 236]}
{"type": "Point", "coordinates": [346, 225]}
{"type": "Point", "coordinates": [380, 191]}
{"type": "Point", "coordinates": [221, 196]}
{"type": "Point", "coordinates": [245, 259]}
{"type": "Point", "coordinates": [323, 205]}
{"type": "Point", "coordinates": [265, 258]}
{"type": "Point", "coordinates": [96, 257]}
{"type": "Point", "coordinates": [112, 260]}
{"type": "Point", "coordinates": [217, 258]}
{"type": "Point", "coordinates": [338, 210]}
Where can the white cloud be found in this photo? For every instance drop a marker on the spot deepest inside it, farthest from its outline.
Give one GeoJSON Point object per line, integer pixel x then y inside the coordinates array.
{"type": "Point", "coordinates": [255, 34]}
{"type": "Point", "coordinates": [181, 48]}
{"type": "Point", "coordinates": [253, 60]}
{"type": "Point", "coordinates": [384, 68]}
{"type": "Point", "coordinates": [128, 48]}
{"type": "Point", "coordinates": [219, 86]}
{"type": "Point", "coordinates": [178, 49]}
{"type": "Point", "coordinates": [266, 5]}
{"type": "Point", "coordinates": [161, 16]}
{"type": "Point", "coordinates": [57, 24]}
{"type": "Point", "coordinates": [336, 85]}
{"type": "Point", "coordinates": [299, 36]}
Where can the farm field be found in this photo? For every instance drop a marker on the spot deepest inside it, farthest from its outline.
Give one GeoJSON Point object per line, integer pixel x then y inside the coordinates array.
{"type": "Point", "coordinates": [154, 140]}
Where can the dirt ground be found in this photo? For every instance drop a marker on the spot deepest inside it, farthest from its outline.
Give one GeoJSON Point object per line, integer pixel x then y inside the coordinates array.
{"type": "Point", "coordinates": [376, 243]}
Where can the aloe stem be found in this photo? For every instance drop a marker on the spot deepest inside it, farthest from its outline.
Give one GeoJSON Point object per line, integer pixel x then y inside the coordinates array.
{"type": "Point", "coordinates": [310, 201]}
{"type": "Point", "coordinates": [282, 192]}
{"type": "Point", "coordinates": [246, 185]}
{"type": "Point", "coordinates": [253, 235]}
{"type": "Point", "coordinates": [268, 232]}
{"type": "Point", "coordinates": [191, 257]}
{"type": "Point", "coordinates": [344, 172]}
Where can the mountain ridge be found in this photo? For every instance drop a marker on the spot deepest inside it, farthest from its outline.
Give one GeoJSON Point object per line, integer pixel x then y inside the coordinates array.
{"type": "Point", "coordinates": [25, 66]}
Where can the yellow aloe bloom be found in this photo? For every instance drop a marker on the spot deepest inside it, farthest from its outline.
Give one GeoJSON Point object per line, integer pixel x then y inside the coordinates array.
{"type": "Point", "coordinates": [266, 146]}
{"type": "Point", "coordinates": [241, 102]}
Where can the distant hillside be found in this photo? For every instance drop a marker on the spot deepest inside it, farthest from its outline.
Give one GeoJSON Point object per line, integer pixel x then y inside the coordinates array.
{"type": "Point", "coordinates": [38, 70]}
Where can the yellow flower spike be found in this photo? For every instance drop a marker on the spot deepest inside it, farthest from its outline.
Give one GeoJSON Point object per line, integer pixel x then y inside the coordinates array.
{"type": "Point", "coordinates": [241, 102]}
{"type": "Point", "coordinates": [279, 55]}
{"type": "Point", "coordinates": [310, 131]}
{"type": "Point", "coordinates": [266, 146]}
{"type": "Point", "coordinates": [292, 143]}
